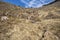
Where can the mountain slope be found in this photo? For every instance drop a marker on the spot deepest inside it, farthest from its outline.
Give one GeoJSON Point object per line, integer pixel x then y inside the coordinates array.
{"type": "Point", "coordinates": [17, 23]}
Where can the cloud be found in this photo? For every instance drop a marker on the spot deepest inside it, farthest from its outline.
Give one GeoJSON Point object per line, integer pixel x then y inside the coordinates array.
{"type": "Point", "coordinates": [47, 1]}
{"type": "Point", "coordinates": [36, 3]}
{"type": "Point", "coordinates": [24, 2]}
{"type": "Point", "coordinates": [29, 3]}
{"type": "Point", "coordinates": [32, 3]}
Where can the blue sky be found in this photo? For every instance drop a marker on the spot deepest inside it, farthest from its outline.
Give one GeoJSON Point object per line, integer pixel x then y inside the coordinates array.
{"type": "Point", "coordinates": [29, 3]}
{"type": "Point", "coordinates": [15, 2]}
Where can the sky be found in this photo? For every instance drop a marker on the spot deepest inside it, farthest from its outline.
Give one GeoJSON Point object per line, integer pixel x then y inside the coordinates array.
{"type": "Point", "coordinates": [29, 3]}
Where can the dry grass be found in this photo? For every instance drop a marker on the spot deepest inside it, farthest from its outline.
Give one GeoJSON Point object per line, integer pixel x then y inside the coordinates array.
{"type": "Point", "coordinates": [18, 23]}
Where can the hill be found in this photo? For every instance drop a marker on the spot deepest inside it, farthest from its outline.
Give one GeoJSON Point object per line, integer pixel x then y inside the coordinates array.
{"type": "Point", "coordinates": [17, 23]}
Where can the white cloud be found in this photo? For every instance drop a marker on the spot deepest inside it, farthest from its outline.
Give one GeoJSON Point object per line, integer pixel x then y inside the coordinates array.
{"type": "Point", "coordinates": [24, 1]}
{"type": "Point", "coordinates": [28, 4]}
{"type": "Point", "coordinates": [35, 3]}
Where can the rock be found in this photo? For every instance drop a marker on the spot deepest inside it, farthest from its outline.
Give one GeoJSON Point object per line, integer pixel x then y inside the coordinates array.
{"type": "Point", "coordinates": [30, 24]}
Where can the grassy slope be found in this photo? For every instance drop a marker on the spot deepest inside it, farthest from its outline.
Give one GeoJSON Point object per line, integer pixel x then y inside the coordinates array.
{"type": "Point", "coordinates": [18, 23]}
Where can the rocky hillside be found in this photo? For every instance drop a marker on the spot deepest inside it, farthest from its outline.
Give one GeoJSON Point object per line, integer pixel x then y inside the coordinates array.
{"type": "Point", "coordinates": [17, 23]}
